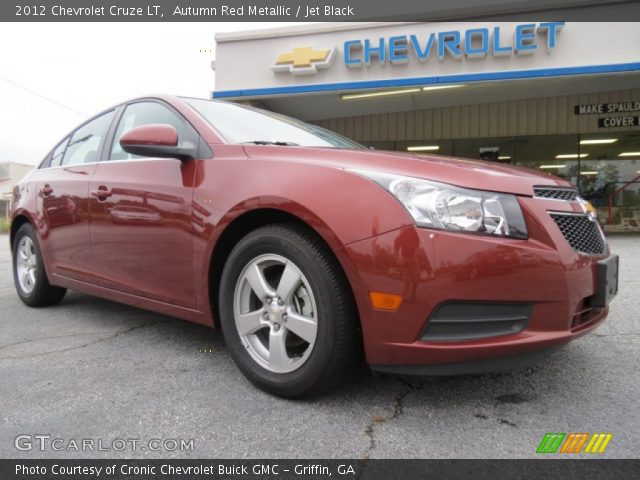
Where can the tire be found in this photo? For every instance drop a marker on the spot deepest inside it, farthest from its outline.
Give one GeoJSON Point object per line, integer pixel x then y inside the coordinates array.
{"type": "Point", "coordinates": [273, 342]}
{"type": "Point", "coordinates": [29, 275]}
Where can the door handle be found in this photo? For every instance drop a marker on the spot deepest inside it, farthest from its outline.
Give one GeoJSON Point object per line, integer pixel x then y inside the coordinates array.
{"type": "Point", "coordinates": [46, 190]}
{"type": "Point", "coordinates": [101, 192]}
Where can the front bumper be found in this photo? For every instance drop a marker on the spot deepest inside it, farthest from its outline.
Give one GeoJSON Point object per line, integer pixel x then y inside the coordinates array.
{"type": "Point", "coordinates": [431, 268]}
{"type": "Point", "coordinates": [491, 364]}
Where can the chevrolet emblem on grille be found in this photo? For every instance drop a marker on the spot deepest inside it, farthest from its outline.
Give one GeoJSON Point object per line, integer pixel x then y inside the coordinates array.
{"type": "Point", "coordinates": [588, 209]}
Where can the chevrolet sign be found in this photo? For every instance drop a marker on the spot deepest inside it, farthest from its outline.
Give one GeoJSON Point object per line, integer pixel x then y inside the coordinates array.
{"type": "Point", "coordinates": [456, 44]}
{"type": "Point", "coordinates": [524, 39]}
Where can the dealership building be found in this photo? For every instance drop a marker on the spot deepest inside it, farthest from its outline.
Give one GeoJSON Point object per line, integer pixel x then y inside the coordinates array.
{"type": "Point", "coordinates": [560, 97]}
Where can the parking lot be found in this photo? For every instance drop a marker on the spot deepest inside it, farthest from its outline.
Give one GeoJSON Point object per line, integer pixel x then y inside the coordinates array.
{"type": "Point", "coordinates": [93, 369]}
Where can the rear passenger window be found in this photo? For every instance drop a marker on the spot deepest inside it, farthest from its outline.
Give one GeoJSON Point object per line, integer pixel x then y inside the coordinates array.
{"type": "Point", "coordinates": [84, 146]}
{"type": "Point", "coordinates": [144, 113]}
{"type": "Point", "coordinates": [57, 154]}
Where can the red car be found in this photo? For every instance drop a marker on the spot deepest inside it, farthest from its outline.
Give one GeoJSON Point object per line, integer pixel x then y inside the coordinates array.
{"type": "Point", "coordinates": [307, 248]}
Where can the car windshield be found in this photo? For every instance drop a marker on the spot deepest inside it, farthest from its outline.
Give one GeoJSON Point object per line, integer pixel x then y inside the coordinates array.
{"type": "Point", "coordinates": [243, 124]}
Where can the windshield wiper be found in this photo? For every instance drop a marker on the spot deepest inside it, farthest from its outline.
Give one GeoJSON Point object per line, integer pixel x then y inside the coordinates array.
{"type": "Point", "coordinates": [267, 142]}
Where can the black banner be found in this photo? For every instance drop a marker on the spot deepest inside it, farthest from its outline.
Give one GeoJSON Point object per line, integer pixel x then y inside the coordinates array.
{"type": "Point", "coordinates": [315, 10]}
{"type": "Point", "coordinates": [317, 469]}
{"type": "Point", "coordinates": [617, 122]}
{"type": "Point", "coordinates": [600, 108]}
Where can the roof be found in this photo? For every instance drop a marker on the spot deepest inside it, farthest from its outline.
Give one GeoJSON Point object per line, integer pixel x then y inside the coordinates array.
{"type": "Point", "coordinates": [299, 29]}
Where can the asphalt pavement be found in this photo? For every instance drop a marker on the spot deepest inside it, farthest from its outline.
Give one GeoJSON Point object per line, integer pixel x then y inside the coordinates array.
{"type": "Point", "coordinates": [90, 369]}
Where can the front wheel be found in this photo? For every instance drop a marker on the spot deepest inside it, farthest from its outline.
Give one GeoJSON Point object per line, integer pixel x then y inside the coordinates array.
{"type": "Point", "coordinates": [286, 312]}
{"type": "Point", "coordinates": [29, 275]}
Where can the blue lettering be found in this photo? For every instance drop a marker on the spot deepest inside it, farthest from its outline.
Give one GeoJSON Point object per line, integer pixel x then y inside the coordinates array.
{"type": "Point", "coordinates": [480, 51]}
{"type": "Point", "coordinates": [497, 48]}
{"type": "Point", "coordinates": [398, 50]}
{"type": "Point", "coordinates": [477, 43]}
{"type": "Point", "coordinates": [378, 51]}
{"type": "Point", "coordinates": [526, 38]}
{"type": "Point", "coordinates": [551, 28]}
{"type": "Point", "coordinates": [449, 42]}
{"type": "Point", "coordinates": [422, 54]}
{"type": "Point", "coordinates": [349, 46]}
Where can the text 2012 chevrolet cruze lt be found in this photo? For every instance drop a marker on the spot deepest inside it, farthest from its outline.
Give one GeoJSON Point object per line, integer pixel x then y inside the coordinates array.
{"type": "Point", "coordinates": [305, 247]}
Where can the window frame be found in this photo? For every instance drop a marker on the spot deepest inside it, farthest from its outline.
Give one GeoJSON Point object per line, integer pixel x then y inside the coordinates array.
{"type": "Point", "coordinates": [105, 147]}
{"type": "Point", "coordinates": [100, 150]}
{"type": "Point", "coordinates": [46, 163]}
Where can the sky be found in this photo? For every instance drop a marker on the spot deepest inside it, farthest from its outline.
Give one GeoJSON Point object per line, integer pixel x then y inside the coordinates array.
{"type": "Point", "coordinates": [53, 76]}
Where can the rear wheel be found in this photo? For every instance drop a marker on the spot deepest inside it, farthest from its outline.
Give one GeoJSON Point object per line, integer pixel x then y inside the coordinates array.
{"type": "Point", "coordinates": [286, 312]}
{"type": "Point", "coordinates": [29, 275]}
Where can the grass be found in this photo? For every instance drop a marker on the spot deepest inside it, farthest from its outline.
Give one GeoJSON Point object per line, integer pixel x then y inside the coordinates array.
{"type": "Point", "coordinates": [4, 225]}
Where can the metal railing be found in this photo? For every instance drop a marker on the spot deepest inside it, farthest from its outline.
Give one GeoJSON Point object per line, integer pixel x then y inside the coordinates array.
{"type": "Point", "coordinates": [612, 196]}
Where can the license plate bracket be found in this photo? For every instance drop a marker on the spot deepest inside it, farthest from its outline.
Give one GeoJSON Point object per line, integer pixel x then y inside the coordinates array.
{"type": "Point", "coordinates": [607, 281]}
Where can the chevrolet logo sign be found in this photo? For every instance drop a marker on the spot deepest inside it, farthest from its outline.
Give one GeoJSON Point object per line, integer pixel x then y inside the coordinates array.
{"type": "Point", "coordinates": [303, 60]}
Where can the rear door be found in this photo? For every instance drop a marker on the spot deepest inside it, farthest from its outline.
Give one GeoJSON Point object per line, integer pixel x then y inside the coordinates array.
{"type": "Point", "coordinates": [63, 203]}
{"type": "Point", "coordinates": [140, 210]}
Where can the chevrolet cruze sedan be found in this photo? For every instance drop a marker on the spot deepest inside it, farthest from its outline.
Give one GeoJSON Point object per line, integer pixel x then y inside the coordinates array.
{"type": "Point", "coordinates": [306, 248]}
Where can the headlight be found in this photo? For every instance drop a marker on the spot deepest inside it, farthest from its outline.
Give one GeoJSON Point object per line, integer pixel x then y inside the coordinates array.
{"type": "Point", "coordinates": [447, 207]}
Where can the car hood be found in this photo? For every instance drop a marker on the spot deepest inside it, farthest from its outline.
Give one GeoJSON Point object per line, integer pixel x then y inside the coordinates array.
{"type": "Point", "coordinates": [456, 171]}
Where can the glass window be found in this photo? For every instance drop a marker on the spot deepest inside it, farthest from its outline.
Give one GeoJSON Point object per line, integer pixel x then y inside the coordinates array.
{"type": "Point", "coordinates": [427, 147]}
{"type": "Point", "coordinates": [610, 178]}
{"type": "Point", "coordinates": [554, 154]}
{"type": "Point", "coordinates": [84, 146]}
{"type": "Point", "coordinates": [57, 154]}
{"type": "Point", "coordinates": [144, 113]}
{"type": "Point", "coordinates": [242, 124]}
{"type": "Point", "coordinates": [380, 145]}
{"type": "Point", "coordinates": [498, 149]}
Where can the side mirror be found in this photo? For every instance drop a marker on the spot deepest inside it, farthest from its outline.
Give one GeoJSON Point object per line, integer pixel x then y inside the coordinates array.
{"type": "Point", "coordinates": [156, 140]}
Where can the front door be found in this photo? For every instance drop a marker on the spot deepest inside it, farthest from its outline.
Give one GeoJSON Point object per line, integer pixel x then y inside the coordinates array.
{"type": "Point", "coordinates": [140, 210]}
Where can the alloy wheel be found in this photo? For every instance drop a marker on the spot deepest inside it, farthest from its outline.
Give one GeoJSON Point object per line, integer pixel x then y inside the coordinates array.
{"type": "Point", "coordinates": [275, 313]}
{"type": "Point", "coordinates": [26, 264]}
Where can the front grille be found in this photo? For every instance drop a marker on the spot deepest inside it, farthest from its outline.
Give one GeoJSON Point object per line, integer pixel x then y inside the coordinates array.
{"type": "Point", "coordinates": [567, 194]}
{"type": "Point", "coordinates": [582, 233]}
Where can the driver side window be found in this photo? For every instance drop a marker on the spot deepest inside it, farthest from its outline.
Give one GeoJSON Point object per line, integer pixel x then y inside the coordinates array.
{"type": "Point", "coordinates": [143, 113]}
